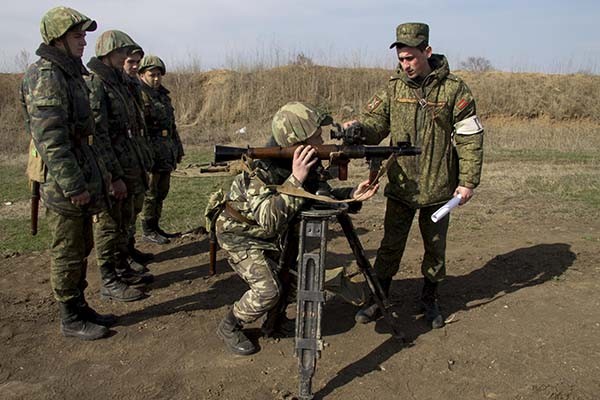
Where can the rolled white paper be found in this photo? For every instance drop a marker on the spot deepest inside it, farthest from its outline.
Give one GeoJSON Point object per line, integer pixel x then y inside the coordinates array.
{"type": "Point", "coordinates": [446, 208]}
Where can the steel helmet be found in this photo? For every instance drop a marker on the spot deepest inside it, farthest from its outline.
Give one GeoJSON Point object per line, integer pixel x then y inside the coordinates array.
{"type": "Point", "coordinates": [150, 61]}
{"type": "Point", "coordinates": [57, 21]}
{"type": "Point", "coordinates": [295, 122]}
{"type": "Point", "coordinates": [114, 40]}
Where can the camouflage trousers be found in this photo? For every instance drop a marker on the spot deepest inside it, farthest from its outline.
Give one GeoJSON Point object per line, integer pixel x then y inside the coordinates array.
{"type": "Point", "coordinates": [260, 273]}
{"type": "Point", "coordinates": [72, 242]}
{"type": "Point", "coordinates": [159, 184]}
{"type": "Point", "coordinates": [138, 205]}
{"type": "Point", "coordinates": [111, 232]}
{"type": "Point", "coordinates": [397, 223]}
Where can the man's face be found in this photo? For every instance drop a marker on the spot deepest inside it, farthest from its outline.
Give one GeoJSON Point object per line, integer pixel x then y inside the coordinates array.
{"type": "Point", "coordinates": [75, 41]}
{"type": "Point", "coordinates": [152, 77]}
{"type": "Point", "coordinates": [132, 63]}
{"type": "Point", "coordinates": [414, 62]}
{"type": "Point", "coordinates": [116, 58]}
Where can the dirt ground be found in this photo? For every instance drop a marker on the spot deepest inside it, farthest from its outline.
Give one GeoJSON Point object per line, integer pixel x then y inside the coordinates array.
{"type": "Point", "coordinates": [523, 286]}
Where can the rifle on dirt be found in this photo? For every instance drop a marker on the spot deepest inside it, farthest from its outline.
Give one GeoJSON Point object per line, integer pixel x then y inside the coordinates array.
{"type": "Point", "coordinates": [214, 167]}
{"type": "Point", "coordinates": [35, 206]}
{"type": "Point", "coordinates": [338, 155]}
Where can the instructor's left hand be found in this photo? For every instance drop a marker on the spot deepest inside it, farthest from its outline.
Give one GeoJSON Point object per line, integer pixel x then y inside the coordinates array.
{"type": "Point", "coordinates": [465, 194]}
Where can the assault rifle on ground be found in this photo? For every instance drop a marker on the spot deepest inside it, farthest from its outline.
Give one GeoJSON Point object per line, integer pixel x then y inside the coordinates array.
{"type": "Point", "coordinates": [338, 155]}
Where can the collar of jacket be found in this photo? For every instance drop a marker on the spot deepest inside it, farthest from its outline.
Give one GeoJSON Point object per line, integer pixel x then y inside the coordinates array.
{"type": "Point", "coordinates": [439, 71]}
{"type": "Point", "coordinates": [72, 66]}
{"type": "Point", "coordinates": [106, 73]}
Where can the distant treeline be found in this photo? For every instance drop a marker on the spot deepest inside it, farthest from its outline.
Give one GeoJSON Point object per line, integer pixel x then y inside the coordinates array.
{"type": "Point", "coordinates": [212, 105]}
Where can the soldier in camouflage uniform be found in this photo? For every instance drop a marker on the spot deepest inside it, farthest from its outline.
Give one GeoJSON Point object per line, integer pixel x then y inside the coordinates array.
{"type": "Point", "coordinates": [75, 181]}
{"type": "Point", "coordinates": [117, 126]}
{"type": "Point", "coordinates": [165, 142]}
{"type": "Point", "coordinates": [433, 109]}
{"type": "Point", "coordinates": [256, 216]}
{"type": "Point", "coordinates": [131, 69]}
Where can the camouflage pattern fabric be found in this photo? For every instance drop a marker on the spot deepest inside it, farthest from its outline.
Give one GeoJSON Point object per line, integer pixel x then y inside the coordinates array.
{"type": "Point", "coordinates": [151, 61]}
{"type": "Point", "coordinates": [117, 124]}
{"type": "Point", "coordinates": [57, 21]}
{"type": "Point", "coordinates": [112, 40]}
{"type": "Point", "coordinates": [162, 130]}
{"type": "Point", "coordinates": [158, 190]}
{"type": "Point", "coordinates": [135, 90]}
{"type": "Point", "coordinates": [397, 223]}
{"type": "Point", "coordinates": [138, 206]}
{"type": "Point", "coordinates": [260, 273]}
{"type": "Point", "coordinates": [411, 34]}
{"type": "Point", "coordinates": [432, 177]}
{"type": "Point", "coordinates": [426, 115]}
{"type": "Point", "coordinates": [59, 119]}
{"type": "Point", "coordinates": [116, 121]}
{"type": "Point", "coordinates": [71, 244]}
{"type": "Point", "coordinates": [296, 122]}
{"type": "Point", "coordinates": [111, 232]}
{"type": "Point", "coordinates": [252, 195]}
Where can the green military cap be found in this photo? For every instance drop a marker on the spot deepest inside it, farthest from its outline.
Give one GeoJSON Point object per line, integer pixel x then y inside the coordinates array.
{"type": "Point", "coordinates": [114, 40]}
{"type": "Point", "coordinates": [295, 122]}
{"type": "Point", "coordinates": [411, 34]}
{"type": "Point", "coordinates": [151, 61]}
{"type": "Point", "coordinates": [58, 20]}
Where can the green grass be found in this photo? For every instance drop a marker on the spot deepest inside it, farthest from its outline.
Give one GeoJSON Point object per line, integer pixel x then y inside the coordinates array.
{"type": "Point", "coordinates": [13, 182]}
{"type": "Point", "coordinates": [183, 208]}
{"type": "Point", "coordinates": [541, 155]}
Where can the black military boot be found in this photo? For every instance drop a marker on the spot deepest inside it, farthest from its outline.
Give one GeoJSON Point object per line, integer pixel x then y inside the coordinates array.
{"type": "Point", "coordinates": [166, 234]}
{"type": "Point", "coordinates": [370, 311]}
{"type": "Point", "coordinates": [230, 330]}
{"type": "Point", "coordinates": [429, 304]}
{"type": "Point", "coordinates": [150, 233]}
{"type": "Point", "coordinates": [73, 324]}
{"type": "Point", "coordinates": [132, 277]}
{"type": "Point", "coordinates": [136, 255]}
{"type": "Point", "coordinates": [89, 314]}
{"type": "Point", "coordinates": [114, 289]}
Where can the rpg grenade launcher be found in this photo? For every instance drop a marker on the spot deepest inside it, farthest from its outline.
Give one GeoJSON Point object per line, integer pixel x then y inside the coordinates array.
{"type": "Point", "coordinates": [338, 155]}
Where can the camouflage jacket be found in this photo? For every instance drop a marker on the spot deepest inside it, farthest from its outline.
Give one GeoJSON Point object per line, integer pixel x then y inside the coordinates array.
{"type": "Point", "coordinates": [116, 125]}
{"type": "Point", "coordinates": [429, 115]}
{"type": "Point", "coordinates": [267, 212]}
{"type": "Point", "coordinates": [135, 89]}
{"type": "Point", "coordinates": [162, 131]}
{"type": "Point", "coordinates": [58, 117]}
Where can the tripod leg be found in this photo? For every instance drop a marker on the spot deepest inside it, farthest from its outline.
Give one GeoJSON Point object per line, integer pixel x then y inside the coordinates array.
{"type": "Point", "coordinates": [365, 268]}
{"type": "Point", "coordinates": [310, 299]}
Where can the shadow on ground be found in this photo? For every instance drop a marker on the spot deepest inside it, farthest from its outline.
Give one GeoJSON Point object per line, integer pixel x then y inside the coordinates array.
{"type": "Point", "coordinates": [500, 276]}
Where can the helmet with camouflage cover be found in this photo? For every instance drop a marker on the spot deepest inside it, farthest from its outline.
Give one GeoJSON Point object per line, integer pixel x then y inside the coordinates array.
{"type": "Point", "coordinates": [114, 40]}
{"type": "Point", "coordinates": [295, 122]}
{"type": "Point", "coordinates": [59, 20]}
{"type": "Point", "coordinates": [151, 61]}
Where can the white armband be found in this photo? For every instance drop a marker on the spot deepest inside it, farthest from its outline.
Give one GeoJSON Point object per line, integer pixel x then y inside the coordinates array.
{"type": "Point", "coordinates": [469, 126]}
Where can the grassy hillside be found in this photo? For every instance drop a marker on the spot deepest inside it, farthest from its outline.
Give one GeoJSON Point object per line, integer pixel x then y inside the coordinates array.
{"type": "Point", "coordinates": [212, 105]}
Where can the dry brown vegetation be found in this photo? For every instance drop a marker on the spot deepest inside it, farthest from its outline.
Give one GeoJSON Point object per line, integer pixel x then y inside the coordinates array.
{"type": "Point", "coordinates": [212, 105]}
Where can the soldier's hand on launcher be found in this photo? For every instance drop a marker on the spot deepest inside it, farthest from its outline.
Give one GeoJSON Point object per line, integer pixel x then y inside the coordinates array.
{"type": "Point", "coordinates": [364, 191]}
{"type": "Point", "coordinates": [304, 159]}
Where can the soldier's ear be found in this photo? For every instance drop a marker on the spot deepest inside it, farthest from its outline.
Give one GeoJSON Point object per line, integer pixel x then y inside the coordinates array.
{"type": "Point", "coordinates": [428, 51]}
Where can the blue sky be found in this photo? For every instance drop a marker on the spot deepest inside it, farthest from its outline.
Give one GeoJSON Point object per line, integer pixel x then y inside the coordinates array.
{"type": "Point", "coordinates": [547, 36]}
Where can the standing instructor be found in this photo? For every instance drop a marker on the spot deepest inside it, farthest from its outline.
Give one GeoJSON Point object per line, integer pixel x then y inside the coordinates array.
{"type": "Point", "coordinates": [425, 104]}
